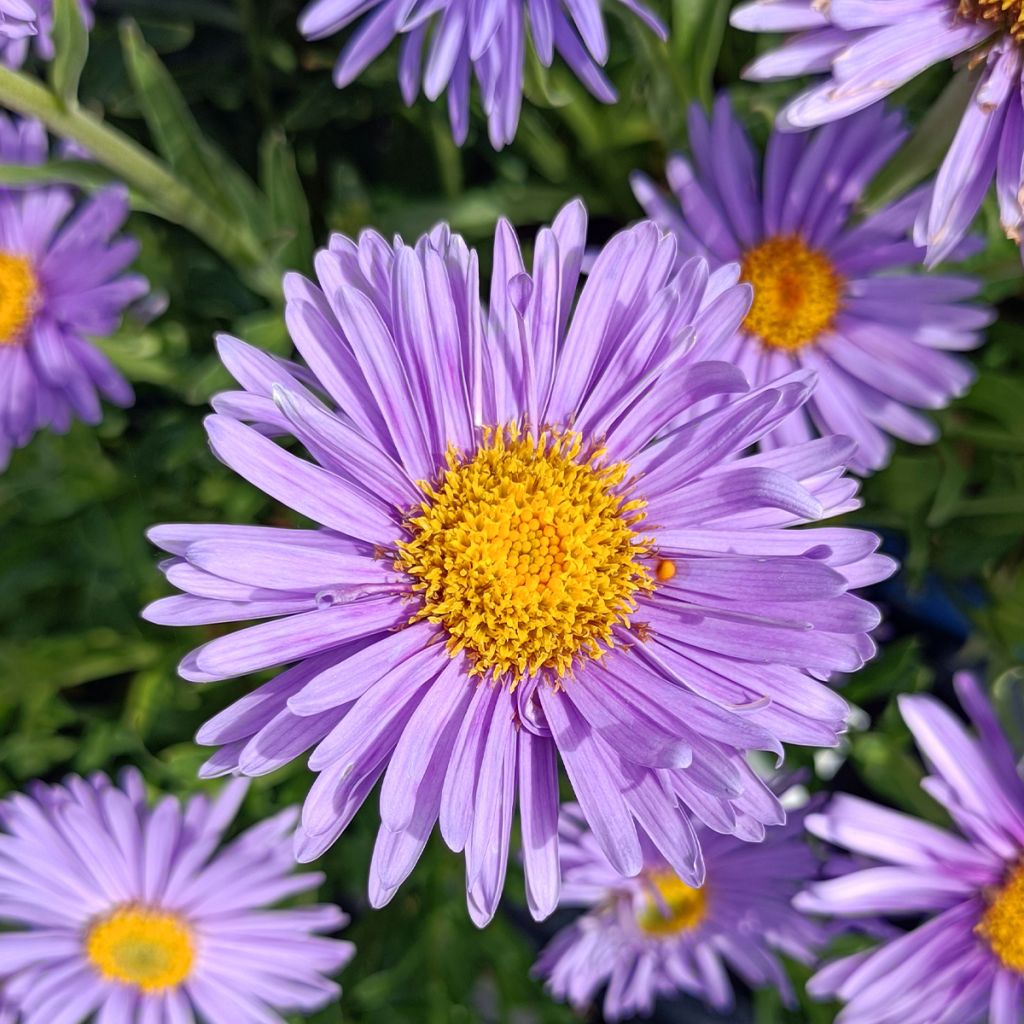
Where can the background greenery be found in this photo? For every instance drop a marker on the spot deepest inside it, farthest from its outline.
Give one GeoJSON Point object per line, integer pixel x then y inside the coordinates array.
{"type": "Point", "coordinates": [86, 685]}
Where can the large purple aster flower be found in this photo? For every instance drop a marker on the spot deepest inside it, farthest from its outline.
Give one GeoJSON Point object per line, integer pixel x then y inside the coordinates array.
{"type": "Point", "coordinates": [831, 294]}
{"type": "Point", "coordinates": [508, 570]}
{"type": "Point", "coordinates": [62, 280]}
{"type": "Point", "coordinates": [461, 39]}
{"type": "Point", "coordinates": [29, 23]}
{"type": "Point", "coordinates": [965, 964]}
{"type": "Point", "coordinates": [871, 47]}
{"type": "Point", "coordinates": [114, 908]}
{"type": "Point", "coordinates": [654, 935]}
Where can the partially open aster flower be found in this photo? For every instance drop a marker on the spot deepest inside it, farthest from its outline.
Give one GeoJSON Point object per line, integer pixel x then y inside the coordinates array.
{"type": "Point", "coordinates": [62, 280]}
{"type": "Point", "coordinates": [508, 571]}
{"type": "Point", "coordinates": [654, 935]}
{"type": "Point", "coordinates": [461, 39]}
{"type": "Point", "coordinates": [26, 24]}
{"type": "Point", "coordinates": [871, 47]}
{"type": "Point", "coordinates": [965, 964]}
{"type": "Point", "coordinates": [831, 293]}
{"type": "Point", "coordinates": [130, 912]}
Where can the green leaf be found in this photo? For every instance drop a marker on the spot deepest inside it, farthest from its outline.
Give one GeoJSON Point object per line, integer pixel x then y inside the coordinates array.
{"type": "Point", "coordinates": [290, 226]}
{"type": "Point", "coordinates": [698, 27]}
{"type": "Point", "coordinates": [83, 173]}
{"type": "Point", "coordinates": [179, 138]}
{"type": "Point", "coordinates": [71, 45]}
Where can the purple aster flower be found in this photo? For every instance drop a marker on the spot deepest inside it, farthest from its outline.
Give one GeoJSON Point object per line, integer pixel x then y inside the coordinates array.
{"type": "Point", "coordinates": [507, 571]}
{"type": "Point", "coordinates": [62, 280]}
{"type": "Point", "coordinates": [831, 294]}
{"type": "Point", "coordinates": [114, 908]}
{"type": "Point", "coordinates": [464, 38]}
{"type": "Point", "coordinates": [965, 964]}
{"type": "Point", "coordinates": [872, 47]}
{"type": "Point", "coordinates": [22, 21]}
{"type": "Point", "coordinates": [654, 935]}
{"type": "Point", "coordinates": [17, 19]}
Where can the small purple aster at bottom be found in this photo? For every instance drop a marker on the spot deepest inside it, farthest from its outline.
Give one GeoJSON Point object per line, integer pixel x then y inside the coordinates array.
{"type": "Point", "coordinates": [654, 935]}
{"type": "Point", "coordinates": [832, 293]}
{"type": "Point", "coordinates": [965, 963]}
{"type": "Point", "coordinates": [27, 25]}
{"type": "Point", "coordinates": [137, 913]}
{"type": "Point", "coordinates": [62, 282]}
{"type": "Point", "coordinates": [869, 48]}
{"type": "Point", "coordinates": [462, 39]}
{"type": "Point", "coordinates": [528, 547]}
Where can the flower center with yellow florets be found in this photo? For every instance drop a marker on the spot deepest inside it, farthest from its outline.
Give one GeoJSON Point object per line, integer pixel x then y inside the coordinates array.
{"type": "Point", "coordinates": [672, 906]}
{"type": "Point", "coordinates": [150, 949]}
{"type": "Point", "coordinates": [1002, 925]}
{"type": "Point", "coordinates": [526, 552]}
{"type": "Point", "coordinates": [1007, 15]}
{"type": "Point", "coordinates": [796, 292]}
{"type": "Point", "coordinates": [18, 291]}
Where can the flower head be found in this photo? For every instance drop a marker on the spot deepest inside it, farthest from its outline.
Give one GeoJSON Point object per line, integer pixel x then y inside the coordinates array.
{"type": "Point", "coordinates": [62, 280]}
{"type": "Point", "coordinates": [460, 39]}
{"type": "Point", "coordinates": [655, 935]}
{"type": "Point", "coordinates": [130, 912]}
{"type": "Point", "coordinates": [831, 293]}
{"type": "Point", "coordinates": [965, 963]}
{"type": "Point", "coordinates": [29, 23]}
{"type": "Point", "coordinates": [507, 571]}
{"type": "Point", "coordinates": [870, 49]}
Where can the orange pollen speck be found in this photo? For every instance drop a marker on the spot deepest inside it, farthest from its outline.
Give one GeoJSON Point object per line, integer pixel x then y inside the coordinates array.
{"type": "Point", "coordinates": [526, 551]}
{"type": "Point", "coordinates": [665, 570]}
{"type": "Point", "coordinates": [797, 292]}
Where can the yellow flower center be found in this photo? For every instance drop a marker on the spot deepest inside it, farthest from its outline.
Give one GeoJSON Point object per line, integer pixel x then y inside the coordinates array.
{"type": "Point", "coordinates": [18, 290]}
{"type": "Point", "coordinates": [796, 292]}
{"type": "Point", "coordinates": [525, 551]}
{"type": "Point", "coordinates": [673, 907]}
{"type": "Point", "coordinates": [1002, 926]}
{"type": "Point", "coordinates": [150, 949]}
{"type": "Point", "coordinates": [1005, 14]}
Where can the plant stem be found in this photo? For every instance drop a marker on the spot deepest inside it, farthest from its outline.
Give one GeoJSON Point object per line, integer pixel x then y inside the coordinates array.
{"type": "Point", "coordinates": [137, 167]}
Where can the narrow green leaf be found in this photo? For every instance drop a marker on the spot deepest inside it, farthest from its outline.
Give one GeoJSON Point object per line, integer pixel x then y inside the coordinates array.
{"type": "Point", "coordinates": [179, 139]}
{"type": "Point", "coordinates": [289, 225]}
{"type": "Point", "coordinates": [71, 45]}
{"type": "Point", "coordinates": [698, 27]}
{"type": "Point", "coordinates": [83, 173]}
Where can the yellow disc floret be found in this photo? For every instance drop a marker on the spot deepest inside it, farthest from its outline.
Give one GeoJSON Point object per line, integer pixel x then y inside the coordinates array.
{"type": "Point", "coordinates": [18, 291]}
{"type": "Point", "coordinates": [150, 949]}
{"type": "Point", "coordinates": [526, 552]}
{"type": "Point", "coordinates": [1005, 14]}
{"type": "Point", "coordinates": [672, 907]}
{"type": "Point", "coordinates": [796, 292]}
{"type": "Point", "coordinates": [1002, 926]}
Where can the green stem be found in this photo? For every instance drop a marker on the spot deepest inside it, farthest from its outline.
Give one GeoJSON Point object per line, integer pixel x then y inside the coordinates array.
{"type": "Point", "coordinates": [137, 167]}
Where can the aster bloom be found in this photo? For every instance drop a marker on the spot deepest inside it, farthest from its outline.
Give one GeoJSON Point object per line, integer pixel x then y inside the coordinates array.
{"type": "Point", "coordinates": [62, 280]}
{"type": "Point", "coordinates": [870, 48]}
{"type": "Point", "coordinates": [461, 39]}
{"type": "Point", "coordinates": [507, 571]}
{"type": "Point", "coordinates": [17, 19]}
{"type": "Point", "coordinates": [831, 294]}
{"type": "Point", "coordinates": [965, 964]}
{"type": "Point", "coordinates": [132, 913]}
{"type": "Point", "coordinates": [26, 24]}
{"type": "Point", "coordinates": [654, 935]}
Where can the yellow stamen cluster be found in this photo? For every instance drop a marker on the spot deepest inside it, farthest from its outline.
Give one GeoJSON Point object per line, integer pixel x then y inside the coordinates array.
{"type": "Point", "coordinates": [18, 291]}
{"type": "Point", "coordinates": [1005, 14]}
{"type": "Point", "coordinates": [672, 907]}
{"type": "Point", "coordinates": [526, 552]}
{"type": "Point", "coordinates": [796, 292]}
{"type": "Point", "coordinates": [150, 949]}
{"type": "Point", "coordinates": [1002, 926]}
